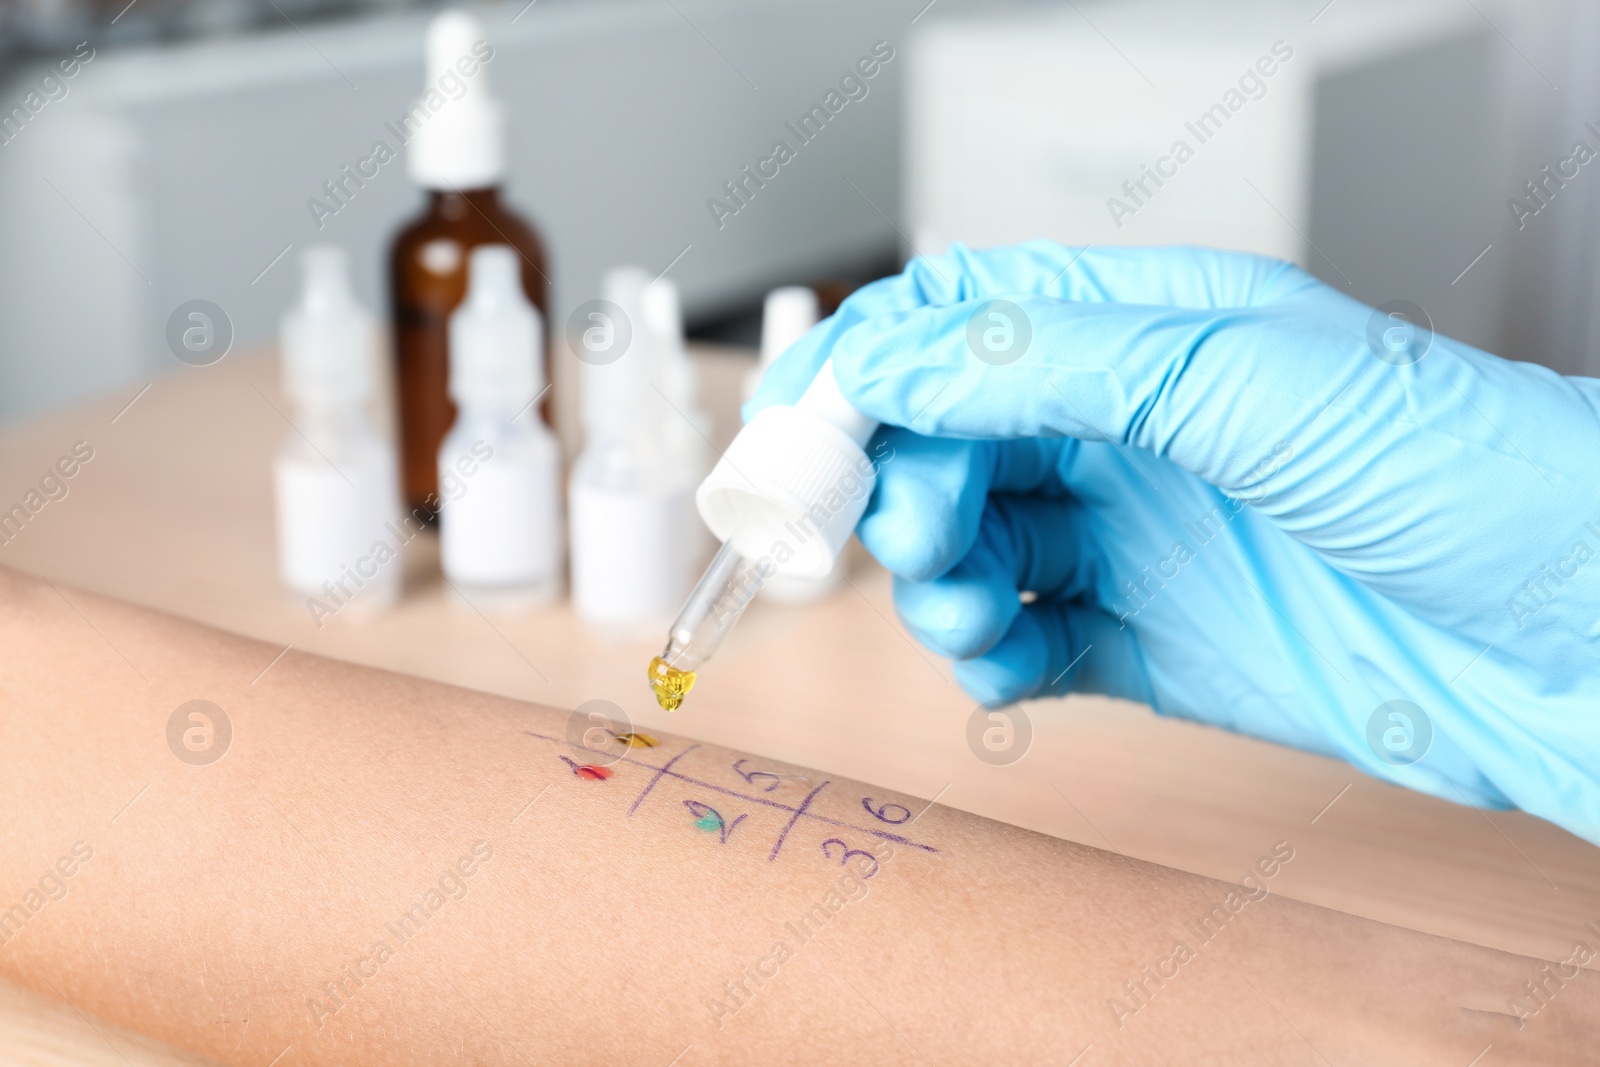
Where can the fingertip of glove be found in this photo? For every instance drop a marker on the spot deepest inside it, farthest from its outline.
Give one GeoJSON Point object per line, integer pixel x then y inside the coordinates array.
{"type": "Point", "coordinates": [786, 378]}
{"type": "Point", "coordinates": [915, 552]}
{"type": "Point", "coordinates": [1011, 671]}
{"type": "Point", "coordinates": [991, 684]}
{"type": "Point", "coordinates": [959, 619]}
{"type": "Point", "coordinates": [894, 365]}
{"type": "Point", "coordinates": [924, 514]}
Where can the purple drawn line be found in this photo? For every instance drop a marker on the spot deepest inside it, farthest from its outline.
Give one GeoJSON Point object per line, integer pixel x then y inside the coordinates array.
{"type": "Point", "coordinates": [896, 838]}
{"type": "Point", "coordinates": [801, 810]}
{"type": "Point", "coordinates": [884, 834]}
{"type": "Point", "coordinates": [660, 772]}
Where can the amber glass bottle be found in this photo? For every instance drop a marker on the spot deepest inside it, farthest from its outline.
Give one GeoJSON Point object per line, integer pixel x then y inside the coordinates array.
{"type": "Point", "coordinates": [428, 278]}
{"type": "Point", "coordinates": [455, 138]}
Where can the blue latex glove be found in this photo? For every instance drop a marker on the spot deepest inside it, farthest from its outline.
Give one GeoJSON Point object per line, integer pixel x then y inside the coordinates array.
{"type": "Point", "coordinates": [1230, 508]}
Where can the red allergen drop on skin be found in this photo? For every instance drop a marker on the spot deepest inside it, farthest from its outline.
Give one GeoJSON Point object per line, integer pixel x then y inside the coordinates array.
{"type": "Point", "coordinates": [588, 771]}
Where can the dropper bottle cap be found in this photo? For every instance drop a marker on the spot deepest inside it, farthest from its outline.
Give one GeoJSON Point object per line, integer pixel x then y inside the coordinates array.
{"type": "Point", "coordinates": [495, 336]}
{"type": "Point", "coordinates": [794, 482]}
{"type": "Point", "coordinates": [459, 141]}
{"type": "Point", "coordinates": [327, 337]}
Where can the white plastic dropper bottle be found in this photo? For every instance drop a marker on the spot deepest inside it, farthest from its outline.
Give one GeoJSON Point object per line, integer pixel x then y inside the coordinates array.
{"type": "Point", "coordinates": [634, 532]}
{"type": "Point", "coordinates": [336, 477]}
{"type": "Point", "coordinates": [500, 465]}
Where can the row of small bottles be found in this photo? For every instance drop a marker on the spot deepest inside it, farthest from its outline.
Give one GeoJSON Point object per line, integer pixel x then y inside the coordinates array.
{"type": "Point", "coordinates": [634, 538]}
{"type": "Point", "coordinates": [476, 453]}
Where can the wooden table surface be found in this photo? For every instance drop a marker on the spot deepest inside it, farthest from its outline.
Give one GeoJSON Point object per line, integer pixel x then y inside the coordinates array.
{"type": "Point", "coordinates": [175, 512]}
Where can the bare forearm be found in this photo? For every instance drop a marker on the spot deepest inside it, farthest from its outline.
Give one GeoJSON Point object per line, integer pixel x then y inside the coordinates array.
{"type": "Point", "coordinates": [381, 870]}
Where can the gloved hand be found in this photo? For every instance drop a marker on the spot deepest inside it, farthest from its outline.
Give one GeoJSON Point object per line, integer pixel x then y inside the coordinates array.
{"type": "Point", "coordinates": [1239, 496]}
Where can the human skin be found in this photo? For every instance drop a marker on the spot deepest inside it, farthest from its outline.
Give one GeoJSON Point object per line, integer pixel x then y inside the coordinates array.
{"type": "Point", "coordinates": [222, 902]}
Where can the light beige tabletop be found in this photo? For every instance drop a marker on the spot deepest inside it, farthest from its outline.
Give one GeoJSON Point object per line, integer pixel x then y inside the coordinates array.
{"type": "Point", "coordinates": [175, 512]}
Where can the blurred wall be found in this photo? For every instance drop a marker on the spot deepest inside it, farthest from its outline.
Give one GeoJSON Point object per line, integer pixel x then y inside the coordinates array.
{"type": "Point", "coordinates": [1387, 157]}
{"type": "Point", "coordinates": [1549, 99]}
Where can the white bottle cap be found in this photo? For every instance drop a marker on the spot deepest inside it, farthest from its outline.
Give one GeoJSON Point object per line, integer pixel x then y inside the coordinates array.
{"type": "Point", "coordinates": [663, 311]}
{"type": "Point", "coordinates": [794, 482]}
{"type": "Point", "coordinates": [495, 335]}
{"type": "Point", "coordinates": [675, 371]}
{"type": "Point", "coordinates": [327, 337]}
{"type": "Point", "coordinates": [459, 139]}
{"type": "Point", "coordinates": [786, 316]}
{"type": "Point", "coordinates": [624, 287]}
{"type": "Point", "coordinates": [616, 385]}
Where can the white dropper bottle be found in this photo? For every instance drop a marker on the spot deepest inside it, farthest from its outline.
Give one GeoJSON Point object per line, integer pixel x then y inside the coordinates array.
{"type": "Point", "coordinates": [500, 465]}
{"type": "Point", "coordinates": [634, 532]}
{"type": "Point", "coordinates": [786, 316]}
{"type": "Point", "coordinates": [336, 476]}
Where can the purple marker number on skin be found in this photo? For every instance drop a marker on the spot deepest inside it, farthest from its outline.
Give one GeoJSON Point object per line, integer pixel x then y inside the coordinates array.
{"type": "Point", "coordinates": [845, 852]}
{"type": "Point", "coordinates": [751, 776]}
{"type": "Point", "coordinates": [894, 814]}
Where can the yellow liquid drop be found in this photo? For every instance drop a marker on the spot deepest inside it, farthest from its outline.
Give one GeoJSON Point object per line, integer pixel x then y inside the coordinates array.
{"type": "Point", "coordinates": [670, 684]}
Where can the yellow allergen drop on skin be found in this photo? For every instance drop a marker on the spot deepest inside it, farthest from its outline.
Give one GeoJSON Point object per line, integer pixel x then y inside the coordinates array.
{"type": "Point", "coordinates": [670, 684]}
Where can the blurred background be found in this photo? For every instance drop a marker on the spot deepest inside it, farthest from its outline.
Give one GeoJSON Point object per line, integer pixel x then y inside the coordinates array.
{"type": "Point", "coordinates": [1387, 153]}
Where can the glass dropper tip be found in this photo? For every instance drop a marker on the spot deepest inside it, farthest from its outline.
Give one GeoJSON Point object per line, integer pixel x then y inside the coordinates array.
{"type": "Point", "coordinates": [669, 684]}
{"type": "Point", "coordinates": [726, 588]}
